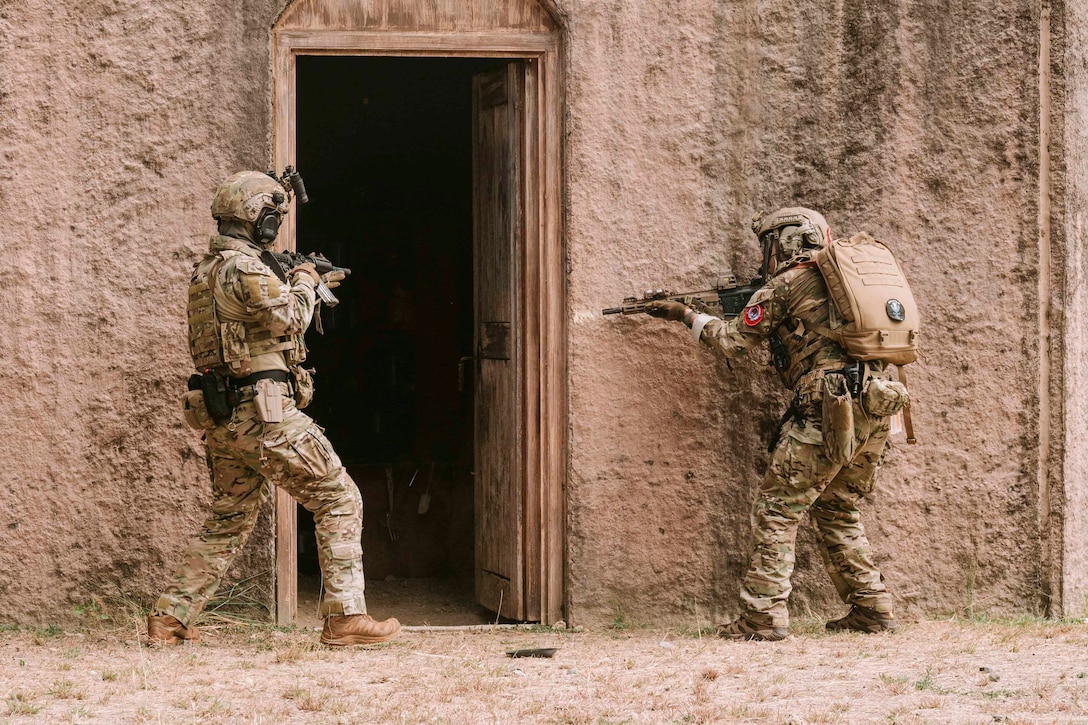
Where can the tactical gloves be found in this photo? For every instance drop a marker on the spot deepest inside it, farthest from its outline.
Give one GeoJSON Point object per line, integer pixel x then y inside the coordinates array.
{"type": "Point", "coordinates": [332, 279]}
{"type": "Point", "coordinates": [667, 309]}
{"type": "Point", "coordinates": [308, 269]}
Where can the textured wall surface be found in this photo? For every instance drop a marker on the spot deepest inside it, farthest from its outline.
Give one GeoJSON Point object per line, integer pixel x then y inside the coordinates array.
{"type": "Point", "coordinates": [915, 121]}
{"type": "Point", "coordinates": [117, 118]}
{"type": "Point", "coordinates": [1074, 148]}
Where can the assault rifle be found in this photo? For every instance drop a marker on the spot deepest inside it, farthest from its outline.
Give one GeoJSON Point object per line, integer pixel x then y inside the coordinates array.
{"type": "Point", "coordinates": [725, 299]}
{"type": "Point", "coordinates": [289, 260]}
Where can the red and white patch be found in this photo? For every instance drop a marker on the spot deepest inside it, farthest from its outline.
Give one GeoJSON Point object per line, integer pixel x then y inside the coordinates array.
{"type": "Point", "coordinates": [753, 315]}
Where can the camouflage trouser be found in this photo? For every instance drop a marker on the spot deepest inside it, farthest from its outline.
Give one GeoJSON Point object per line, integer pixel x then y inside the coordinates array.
{"type": "Point", "coordinates": [244, 455]}
{"type": "Point", "coordinates": [801, 478]}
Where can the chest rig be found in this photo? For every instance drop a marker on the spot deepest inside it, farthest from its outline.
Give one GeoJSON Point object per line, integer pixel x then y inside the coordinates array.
{"type": "Point", "coordinates": [226, 332]}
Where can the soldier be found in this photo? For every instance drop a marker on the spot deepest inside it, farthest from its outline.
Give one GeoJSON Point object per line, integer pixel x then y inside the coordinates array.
{"type": "Point", "coordinates": [246, 329]}
{"type": "Point", "coordinates": [805, 473]}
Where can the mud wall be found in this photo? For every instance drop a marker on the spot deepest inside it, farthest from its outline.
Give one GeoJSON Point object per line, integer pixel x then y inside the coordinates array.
{"type": "Point", "coordinates": [116, 119]}
{"type": "Point", "coordinates": [1072, 202]}
{"type": "Point", "coordinates": [915, 121]}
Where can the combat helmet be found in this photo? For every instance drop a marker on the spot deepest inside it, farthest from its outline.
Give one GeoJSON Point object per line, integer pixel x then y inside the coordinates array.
{"type": "Point", "coordinates": [788, 232]}
{"type": "Point", "coordinates": [253, 197]}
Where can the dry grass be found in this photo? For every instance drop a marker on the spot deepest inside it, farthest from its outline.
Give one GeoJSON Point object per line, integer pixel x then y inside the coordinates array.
{"type": "Point", "coordinates": [962, 671]}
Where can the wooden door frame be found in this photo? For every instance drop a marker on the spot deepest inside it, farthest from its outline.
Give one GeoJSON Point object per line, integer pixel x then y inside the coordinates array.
{"type": "Point", "coordinates": [542, 269]}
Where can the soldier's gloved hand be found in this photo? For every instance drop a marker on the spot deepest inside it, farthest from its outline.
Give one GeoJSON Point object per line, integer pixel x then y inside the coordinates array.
{"type": "Point", "coordinates": [332, 279]}
{"type": "Point", "coordinates": [667, 309]}
{"type": "Point", "coordinates": [308, 269]}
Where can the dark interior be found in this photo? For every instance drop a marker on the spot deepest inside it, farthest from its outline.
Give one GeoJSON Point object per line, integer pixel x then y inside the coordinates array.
{"type": "Point", "coordinates": [384, 145]}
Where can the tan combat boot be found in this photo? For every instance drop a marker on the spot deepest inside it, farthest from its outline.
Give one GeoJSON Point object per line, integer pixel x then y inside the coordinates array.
{"type": "Point", "coordinates": [863, 619]}
{"type": "Point", "coordinates": [165, 629]}
{"type": "Point", "coordinates": [743, 628]}
{"type": "Point", "coordinates": [347, 629]}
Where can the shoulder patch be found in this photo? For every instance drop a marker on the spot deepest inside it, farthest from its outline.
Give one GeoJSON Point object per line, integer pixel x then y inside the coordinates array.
{"type": "Point", "coordinates": [753, 315]}
{"type": "Point", "coordinates": [249, 265]}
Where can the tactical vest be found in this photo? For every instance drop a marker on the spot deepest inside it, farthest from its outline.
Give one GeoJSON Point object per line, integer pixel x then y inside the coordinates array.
{"type": "Point", "coordinates": [222, 334]}
{"type": "Point", "coordinates": [874, 316]}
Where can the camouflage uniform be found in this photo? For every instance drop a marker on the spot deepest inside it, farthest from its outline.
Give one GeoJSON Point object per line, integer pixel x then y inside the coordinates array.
{"type": "Point", "coordinates": [238, 306]}
{"type": "Point", "coordinates": [801, 476]}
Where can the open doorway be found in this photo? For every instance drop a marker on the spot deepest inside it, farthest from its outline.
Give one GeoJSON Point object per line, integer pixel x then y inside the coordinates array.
{"type": "Point", "coordinates": [385, 145]}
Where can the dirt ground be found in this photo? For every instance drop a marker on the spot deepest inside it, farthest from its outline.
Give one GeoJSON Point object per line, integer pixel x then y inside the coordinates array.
{"type": "Point", "coordinates": [942, 671]}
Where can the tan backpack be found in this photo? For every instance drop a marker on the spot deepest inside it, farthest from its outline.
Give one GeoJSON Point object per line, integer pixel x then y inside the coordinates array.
{"type": "Point", "coordinates": [874, 316]}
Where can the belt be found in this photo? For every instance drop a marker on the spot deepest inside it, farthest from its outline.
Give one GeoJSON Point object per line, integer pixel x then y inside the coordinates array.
{"type": "Point", "coordinates": [279, 376]}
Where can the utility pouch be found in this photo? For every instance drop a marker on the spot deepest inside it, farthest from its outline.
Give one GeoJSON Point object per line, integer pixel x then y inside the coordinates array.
{"type": "Point", "coordinates": [304, 386]}
{"type": "Point", "coordinates": [268, 400]}
{"type": "Point", "coordinates": [884, 397]}
{"type": "Point", "coordinates": [838, 419]}
{"type": "Point", "coordinates": [195, 412]}
{"type": "Point", "coordinates": [220, 398]}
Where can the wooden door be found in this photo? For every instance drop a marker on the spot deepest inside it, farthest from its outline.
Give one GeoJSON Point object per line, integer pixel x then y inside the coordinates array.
{"type": "Point", "coordinates": [498, 238]}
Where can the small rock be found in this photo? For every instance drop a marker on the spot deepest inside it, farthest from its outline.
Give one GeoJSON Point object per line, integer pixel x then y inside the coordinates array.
{"type": "Point", "coordinates": [666, 644]}
{"type": "Point", "coordinates": [560, 625]}
{"type": "Point", "coordinates": [572, 671]}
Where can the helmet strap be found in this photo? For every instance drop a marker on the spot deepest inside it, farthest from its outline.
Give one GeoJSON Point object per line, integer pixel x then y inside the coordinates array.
{"type": "Point", "coordinates": [767, 242]}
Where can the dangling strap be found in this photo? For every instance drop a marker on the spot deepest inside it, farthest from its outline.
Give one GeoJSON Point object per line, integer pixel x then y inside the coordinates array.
{"type": "Point", "coordinates": [907, 422]}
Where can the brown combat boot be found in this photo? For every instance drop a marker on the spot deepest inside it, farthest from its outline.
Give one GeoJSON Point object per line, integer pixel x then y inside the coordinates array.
{"type": "Point", "coordinates": [348, 629]}
{"type": "Point", "coordinates": [863, 619]}
{"type": "Point", "coordinates": [166, 629]}
{"type": "Point", "coordinates": [743, 628]}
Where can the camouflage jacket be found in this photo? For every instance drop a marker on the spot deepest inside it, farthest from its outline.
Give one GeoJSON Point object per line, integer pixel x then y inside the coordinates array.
{"type": "Point", "coordinates": [241, 316]}
{"type": "Point", "coordinates": [794, 296]}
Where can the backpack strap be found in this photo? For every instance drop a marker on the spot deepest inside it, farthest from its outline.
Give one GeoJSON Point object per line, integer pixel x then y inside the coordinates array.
{"type": "Point", "coordinates": [825, 331]}
{"type": "Point", "coordinates": [907, 422]}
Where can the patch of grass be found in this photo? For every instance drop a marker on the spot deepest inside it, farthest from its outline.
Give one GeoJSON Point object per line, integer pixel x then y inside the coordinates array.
{"type": "Point", "coordinates": [549, 629]}
{"type": "Point", "coordinates": [811, 627]}
{"type": "Point", "coordinates": [619, 620]}
{"type": "Point", "coordinates": [305, 699]}
{"type": "Point", "coordinates": [215, 707]}
{"type": "Point", "coordinates": [294, 652]}
{"type": "Point", "coordinates": [93, 611]}
{"type": "Point", "coordinates": [21, 703]}
{"type": "Point", "coordinates": [109, 675]}
{"type": "Point", "coordinates": [926, 682]}
{"type": "Point", "coordinates": [895, 685]}
{"type": "Point", "coordinates": [692, 632]}
{"type": "Point", "coordinates": [65, 690]}
{"type": "Point", "coordinates": [48, 632]}
{"type": "Point", "coordinates": [243, 603]}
